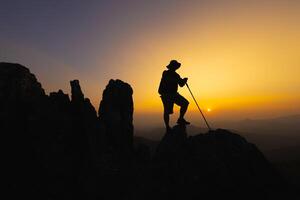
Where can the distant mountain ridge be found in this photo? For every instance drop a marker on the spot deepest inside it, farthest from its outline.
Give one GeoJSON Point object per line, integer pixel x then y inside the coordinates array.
{"type": "Point", "coordinates": [290, 123]}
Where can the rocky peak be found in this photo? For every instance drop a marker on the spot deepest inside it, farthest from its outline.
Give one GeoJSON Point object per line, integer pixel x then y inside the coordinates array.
{"type": "Point", "coordinates": [60, 99]}
{"type": "Point", "coordinates": [17, 83]}
{"type": "Point", "coordinates": [82, 107]}
{"type": "Point", "coordinates": [116, 111]}
{"type": "Point", "coordinates": [77, 95]}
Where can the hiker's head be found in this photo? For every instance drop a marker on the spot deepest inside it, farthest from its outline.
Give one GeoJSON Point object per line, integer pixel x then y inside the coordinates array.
{"type": "Point", "coordinates": [173, 65]}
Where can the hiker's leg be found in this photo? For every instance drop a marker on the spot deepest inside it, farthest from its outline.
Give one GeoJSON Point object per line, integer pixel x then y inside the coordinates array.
{"type": "Point", "coordinates": [183, 103]}
{"type": "Point", "coordinates": [168, 109]}
{"type": "Point", "coordinates": [183, 110]}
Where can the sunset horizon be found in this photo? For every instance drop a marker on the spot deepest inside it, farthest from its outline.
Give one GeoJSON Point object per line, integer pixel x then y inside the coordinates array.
{"type": "Point", "coordinates": [241, 58]}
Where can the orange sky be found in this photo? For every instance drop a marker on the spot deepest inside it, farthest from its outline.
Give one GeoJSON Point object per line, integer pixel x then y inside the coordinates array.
{"type": "Point", "coordinates": [241, 61]}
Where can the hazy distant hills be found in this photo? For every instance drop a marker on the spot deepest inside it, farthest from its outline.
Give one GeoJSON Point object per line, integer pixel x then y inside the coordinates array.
{"type": "Point", "coordinates": [274, 125]}
{"type": "Point", "coordinates": [269, 134]}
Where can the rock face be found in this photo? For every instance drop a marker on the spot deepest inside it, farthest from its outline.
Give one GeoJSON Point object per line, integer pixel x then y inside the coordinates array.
{"type": "Point", "coordinates": [58, 148]}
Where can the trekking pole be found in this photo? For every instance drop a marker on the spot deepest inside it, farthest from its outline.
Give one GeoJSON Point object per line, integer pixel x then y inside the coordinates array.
{"type": "Point", "coordinates": [199, 108]}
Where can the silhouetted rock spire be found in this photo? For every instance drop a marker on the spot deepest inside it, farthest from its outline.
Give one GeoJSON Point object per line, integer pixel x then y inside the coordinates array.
{"type": "Point", "coordinates": [77, 95]}
{"type": "Point", "coordinates": [116, 111]}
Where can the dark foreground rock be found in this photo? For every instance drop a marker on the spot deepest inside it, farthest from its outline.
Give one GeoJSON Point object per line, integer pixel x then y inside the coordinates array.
{"type": "Point", "coordinates": [215, 165]}
{"type": "Point", "coordinates": [52, 143]}
{"type": "Point", "coordinates": [56, 147]}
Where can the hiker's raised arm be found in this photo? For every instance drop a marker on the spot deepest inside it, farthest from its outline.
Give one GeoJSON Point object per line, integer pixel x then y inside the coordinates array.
{"type": "Point", "coordinates": [182, 81]}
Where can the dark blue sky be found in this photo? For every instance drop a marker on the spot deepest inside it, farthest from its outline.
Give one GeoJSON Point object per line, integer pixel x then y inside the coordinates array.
{"type": "Point", "coordinates": [80, 35]}
{"type": "Point", "coordinates": [74, 30]}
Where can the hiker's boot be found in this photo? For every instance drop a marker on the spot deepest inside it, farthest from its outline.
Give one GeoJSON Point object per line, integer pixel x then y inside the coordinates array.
{"type": "Point", "coordinates": [182, 121]}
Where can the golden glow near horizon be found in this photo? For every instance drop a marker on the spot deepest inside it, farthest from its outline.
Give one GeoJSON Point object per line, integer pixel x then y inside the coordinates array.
{"type": "Point", "coordinates": [244, 63]}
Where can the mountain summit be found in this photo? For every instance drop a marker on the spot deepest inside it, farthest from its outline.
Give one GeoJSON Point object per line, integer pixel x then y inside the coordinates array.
{"type": "Point", "coordinates": [215, 165]}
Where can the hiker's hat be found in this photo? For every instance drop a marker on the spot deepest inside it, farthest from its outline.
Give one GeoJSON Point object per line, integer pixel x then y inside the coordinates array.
{"type": "Point", "coordinates": [173, 64]}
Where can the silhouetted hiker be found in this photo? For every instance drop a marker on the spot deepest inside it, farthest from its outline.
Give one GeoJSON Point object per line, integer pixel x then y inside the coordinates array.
{"type": "Point", "coordinates": [168, 90]}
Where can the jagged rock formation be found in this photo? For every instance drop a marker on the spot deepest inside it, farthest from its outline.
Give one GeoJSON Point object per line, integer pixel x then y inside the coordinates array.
{"type": "Point", "coordinates": [53, 141]}
{"type": "Point", "coordinates": [58, 148]}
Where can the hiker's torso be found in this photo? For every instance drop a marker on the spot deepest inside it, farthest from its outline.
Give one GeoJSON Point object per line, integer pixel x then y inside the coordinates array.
{"type": "Point", "coordinates": [169, 82]}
